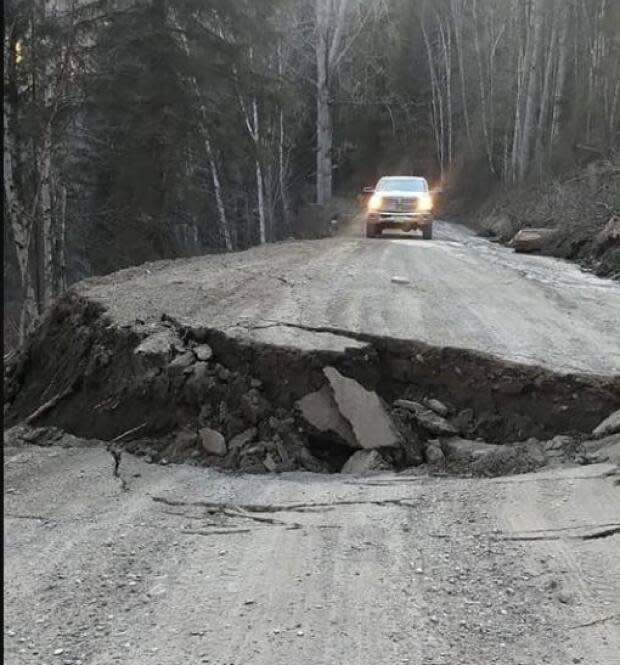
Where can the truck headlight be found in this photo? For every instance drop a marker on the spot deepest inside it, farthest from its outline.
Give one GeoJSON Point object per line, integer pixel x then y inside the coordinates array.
{"type": "Point", "coordinates": [375, 202]}
{"type": "Point", "coordinates": [425, 204]}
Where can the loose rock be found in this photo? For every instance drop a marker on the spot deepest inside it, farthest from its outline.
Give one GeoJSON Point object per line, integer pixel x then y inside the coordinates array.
{"type": "Point", "coordinates": [254, 406]}
{"type": "Point", "coordinates": [438, 407]}
{"type": "Point", "coordinates": [242, 440]}
{"type": "Point", "coordinates": [531, 240]}
{"type": "Point", "coordinates": [510, 459]}
{"type": "Point", "coordinates": [559, 443]}
{"type": "Point", "coordinates": [434, 454]}
{"type": "Point", "coordinates": [212, 442]}
{"type": "Point", "coordinates": [156, 349]}
{"type": "Point", "coordinates": [427, 419]}
{"type": "Point", "coordinates": [365, 461]}
{"type": "Point", "coordinates": [270, 463]}
{"type": "Point", "coordinates": [203, 352]}
{"type": "Point", "coordinates": [463, 450]}
{"type": "Point", "coordinates": [181, 362]}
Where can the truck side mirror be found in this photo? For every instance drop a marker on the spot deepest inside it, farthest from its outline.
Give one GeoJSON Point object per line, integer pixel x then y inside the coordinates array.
{"type": "Point", "coordinates": [368, 190]}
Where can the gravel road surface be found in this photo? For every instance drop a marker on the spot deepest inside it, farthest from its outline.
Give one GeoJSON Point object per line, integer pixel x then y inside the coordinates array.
{"type": "Point", "coordinates": [192, 566]}
{"type": "Point", "coordinates": [456, 290]}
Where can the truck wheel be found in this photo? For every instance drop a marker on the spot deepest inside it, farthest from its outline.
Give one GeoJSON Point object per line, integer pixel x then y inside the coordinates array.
{"type": "Point", "coordinates": [427, 232]}
{"type": "Point", "coordinates": [371, 230]}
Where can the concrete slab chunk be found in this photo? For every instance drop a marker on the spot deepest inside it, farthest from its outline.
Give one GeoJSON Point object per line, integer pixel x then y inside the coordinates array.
{"type": "Point", "coordinates": [593, 445]}
{"type": "Point", "coordinates": [321, 411]}
{"type": "Point", "coordinates": [364, 410]}
{"type": "Point", "coordinates": [609, 453]}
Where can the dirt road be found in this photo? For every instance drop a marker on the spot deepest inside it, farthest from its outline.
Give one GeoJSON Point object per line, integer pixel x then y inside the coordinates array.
{"type": "Point", "coordinates": [171, 564]}
{"type": "Point", "coordinates": [303, 568]}
{"type": "Point", "coordinates": [456, 290]}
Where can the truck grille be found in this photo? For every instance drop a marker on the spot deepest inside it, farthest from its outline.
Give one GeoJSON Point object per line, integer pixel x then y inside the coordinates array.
{"type": "Point", "coordinates": [399, 204]}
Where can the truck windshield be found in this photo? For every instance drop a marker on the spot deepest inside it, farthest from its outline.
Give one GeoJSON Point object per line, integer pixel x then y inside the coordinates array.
{"type": "Point", "coordinates": [402, 185]}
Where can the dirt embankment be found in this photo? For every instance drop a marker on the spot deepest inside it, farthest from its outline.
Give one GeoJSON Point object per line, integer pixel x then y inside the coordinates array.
{"type": "Point", "coordinates": [582, 209]}
{"type": "Point", "coordinates": [179, 393]}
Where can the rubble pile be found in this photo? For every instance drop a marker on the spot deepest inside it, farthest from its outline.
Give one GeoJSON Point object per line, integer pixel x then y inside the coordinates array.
{"type": "Point", "coordinates": [176, 393]}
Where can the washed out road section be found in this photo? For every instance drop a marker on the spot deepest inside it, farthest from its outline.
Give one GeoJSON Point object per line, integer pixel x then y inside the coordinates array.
{"type": "Point", "coordinates": [456, 290]}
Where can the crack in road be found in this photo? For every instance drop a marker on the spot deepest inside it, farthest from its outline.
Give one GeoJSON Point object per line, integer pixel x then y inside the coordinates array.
{"type": "Point", "coordinates": [595, 621]}
{"type": "Point", "coordinates": [117, 454]}
{"type": "Point", "coordinates": [326, 506]}
{"type": "Point", "coordinates": [604, 533]}
{"type": "Point", "coordinates": [38, 518]}
{"type": "Point", "coordinates": [573, 528]}
{"type": "Point", "coordinates": [252, 511]}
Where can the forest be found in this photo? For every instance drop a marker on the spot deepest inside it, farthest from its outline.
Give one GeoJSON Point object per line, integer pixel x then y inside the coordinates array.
{"type": "Point", "coordinates": [138, 130]}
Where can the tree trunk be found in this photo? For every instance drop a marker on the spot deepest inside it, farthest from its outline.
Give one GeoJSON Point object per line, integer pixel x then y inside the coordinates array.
{"type": "Point", "coordinates": [521, 57]}
{"type": "Point", "coordinates": [282, 175]}
{"type": "Point", "coordinates": [61, 240]}
{"type": "Point", "coordinates": [17, 216]}
{"type": "Point", "coordinates": [218, 195]}
{"type": "Point", "coordinates": [446, 43]}
{"type": "Point", "coordinates": [47, 227]}
{"type": "Point", "coordinates": [436, 100]}
{"type": "Point", "coordinates": [556, 116]}
{"type": "Point", "coordinates": [457, 16]}
{"type": "Point", "coordinates": [535, 24]}
{"type": "Point", "coordinates": [262, 227]}
{"type": "Point", "coordinates": [324, 134]}
{"type": "Point", "coordinates": [483, 99]}
{"type": "Point", "coordinates": [615, 105]}
{"type": "Point", "coordinates": [545, 101]}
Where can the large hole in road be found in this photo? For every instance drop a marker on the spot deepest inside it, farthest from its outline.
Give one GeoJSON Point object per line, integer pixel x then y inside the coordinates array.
{"type": "Point", "coordinates": [185, 393]}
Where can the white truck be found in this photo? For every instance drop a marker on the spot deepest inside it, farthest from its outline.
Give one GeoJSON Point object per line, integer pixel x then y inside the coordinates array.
{"type": "Point", "coordinates": [400, 202]}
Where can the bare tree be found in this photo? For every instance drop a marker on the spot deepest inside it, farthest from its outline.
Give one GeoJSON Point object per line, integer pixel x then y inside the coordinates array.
{"type": "Point", "coordinates": [483, 92]}
{"type": "Point", "coordinates": [251, 118]}
{"type": "Point", "coordinates": [338, 23]}
{"type": "Point", "coordinates": [204, 128]}
{"type": "Point", "coordinates": [532, 98]}
{"type": "Point", "coordinates": [458, 15]}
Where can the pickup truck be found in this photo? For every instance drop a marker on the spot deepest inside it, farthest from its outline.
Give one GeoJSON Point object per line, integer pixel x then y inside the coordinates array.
{"type": "Point", "coordinates": [400, 202]}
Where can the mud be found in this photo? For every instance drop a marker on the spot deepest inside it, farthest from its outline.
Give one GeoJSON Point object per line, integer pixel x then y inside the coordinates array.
{"type": "Point", "coordinates": [149, 389]}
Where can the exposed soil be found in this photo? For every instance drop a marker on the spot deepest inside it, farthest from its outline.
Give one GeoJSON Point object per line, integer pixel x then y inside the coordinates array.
{"type": "Point", "coordinates": [152, 388]}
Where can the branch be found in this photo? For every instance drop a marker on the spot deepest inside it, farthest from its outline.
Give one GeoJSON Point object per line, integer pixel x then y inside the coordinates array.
{"type": "Point", "coordinates": [353, 38]}
{"type": "Point", "coordinates": [337, 38]}
{"type": "Point", "coordinates": [50, 404]}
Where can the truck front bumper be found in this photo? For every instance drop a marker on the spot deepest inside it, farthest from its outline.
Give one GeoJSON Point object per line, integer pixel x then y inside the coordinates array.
{"type": "Point", "coordinates": [405, 221]}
